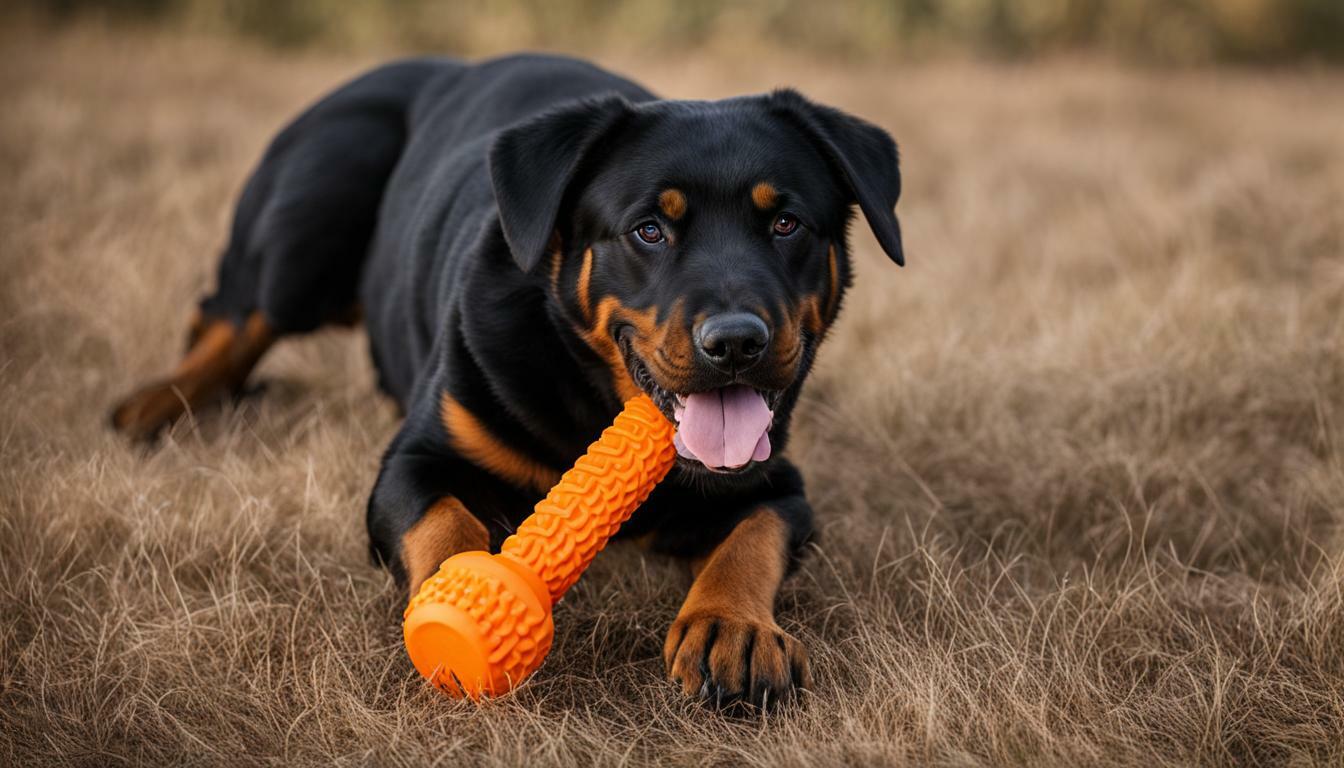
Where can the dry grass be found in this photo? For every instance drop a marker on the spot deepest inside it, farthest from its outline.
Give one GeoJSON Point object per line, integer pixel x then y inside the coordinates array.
{"type": "Point", "coordinates": [1078, 468]}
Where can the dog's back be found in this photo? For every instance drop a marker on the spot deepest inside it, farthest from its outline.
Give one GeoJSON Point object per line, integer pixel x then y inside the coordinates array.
{"type": "Point", "coordinates": [439, 202]}
{"type": "Point", "coordinates": [350, 214]}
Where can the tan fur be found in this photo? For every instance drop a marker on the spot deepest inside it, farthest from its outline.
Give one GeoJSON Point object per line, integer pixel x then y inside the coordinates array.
{"type": "Point", "coordinates": [665, 347]}
{"type": "Point", "coordinates": [763, 196]}
{"type": "Point", "coordinates": [673, 203]}
{"type": "Point", "coordinates": [726, 626]}
{"type": "Point", "coordinates": [1079, 498]}
{"type": "Point", "coordinates": [218, 362]}
{"type": "Point", "coordinates": [447, 528]}
{"type": "Point", "coordinates": [471, 438]}
{"type": "Point", "coordinates": [583, 288]}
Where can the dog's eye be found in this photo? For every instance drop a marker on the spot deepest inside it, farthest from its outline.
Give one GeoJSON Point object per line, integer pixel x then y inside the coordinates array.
{"type": "Point", "coordinates": [650, 233]}
{"type": "Point", "coordinates": [785, 224]}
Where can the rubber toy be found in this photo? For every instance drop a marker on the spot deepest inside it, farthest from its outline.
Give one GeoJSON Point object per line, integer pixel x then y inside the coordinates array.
{"type": "Point", "coordinates": [481, 624]}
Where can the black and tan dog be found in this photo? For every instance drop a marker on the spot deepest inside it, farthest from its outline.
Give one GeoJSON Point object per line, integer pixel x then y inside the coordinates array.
{"type": "Point", "coordinates": [530, 241]}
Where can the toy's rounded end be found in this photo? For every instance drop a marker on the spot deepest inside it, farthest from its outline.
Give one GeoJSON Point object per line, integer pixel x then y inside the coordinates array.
{"type": "Point", "coordinates": [479, 626]}
{"type": "Point", "coordinates": [447, 648]}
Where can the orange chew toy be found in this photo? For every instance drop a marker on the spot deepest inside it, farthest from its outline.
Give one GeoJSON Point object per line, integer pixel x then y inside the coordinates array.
{"type": "Point", "coordinates": [482, 624]}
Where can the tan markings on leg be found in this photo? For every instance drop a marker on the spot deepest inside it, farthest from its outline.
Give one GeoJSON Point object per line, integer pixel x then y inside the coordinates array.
{"type": "Point", "coordinates": [763, 196]}
{"type": "Point", "coordinates": [673, 203]}
{"type": "Point", "coordinates": [218, 362]}
{"type": "Point", "coordinates": [469, 437]}
{"type": "Point", "coordinates": [741, 576]}
{"type": "Point", "coordinates": [446, 529]}
{"type": "Point", "coordinates": [725, 644]}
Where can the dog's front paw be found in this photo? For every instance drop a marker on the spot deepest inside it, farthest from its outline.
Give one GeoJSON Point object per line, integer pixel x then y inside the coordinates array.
{"type": "Point", "coordinates": [728, 661]}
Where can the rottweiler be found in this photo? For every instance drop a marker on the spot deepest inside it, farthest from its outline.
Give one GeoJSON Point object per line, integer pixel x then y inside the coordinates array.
{"type": "Point", "coordinates": [529, 242]}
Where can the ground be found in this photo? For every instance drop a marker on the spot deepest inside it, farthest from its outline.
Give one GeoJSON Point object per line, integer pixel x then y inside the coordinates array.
{"type": "Point", "coordinates": [1077, 468]}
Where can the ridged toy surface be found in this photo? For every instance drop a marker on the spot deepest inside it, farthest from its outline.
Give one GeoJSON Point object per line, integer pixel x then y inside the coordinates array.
{"type": "Point", "coordinates": [482, 623]}
{"type": "Point", "coordinates": [606, 485]}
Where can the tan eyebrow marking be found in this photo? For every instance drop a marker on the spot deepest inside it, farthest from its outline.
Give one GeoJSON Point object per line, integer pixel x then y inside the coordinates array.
{"type": "Point", "coordinates": [673, 203]}
{"type": "Point", "coordinates": [763, 195]}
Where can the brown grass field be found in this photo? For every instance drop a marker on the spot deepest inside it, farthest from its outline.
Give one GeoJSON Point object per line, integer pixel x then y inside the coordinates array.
{"type": "Point", "coordinates": [1078, 469]}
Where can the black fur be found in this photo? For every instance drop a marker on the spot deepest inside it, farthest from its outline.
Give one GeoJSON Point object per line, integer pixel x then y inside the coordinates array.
{"type": "Point", "coordinates": [435, 193]}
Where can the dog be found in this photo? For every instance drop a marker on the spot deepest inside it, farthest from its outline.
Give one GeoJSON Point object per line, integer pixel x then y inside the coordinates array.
{"type": "Point", "coordinates": [530, 241]}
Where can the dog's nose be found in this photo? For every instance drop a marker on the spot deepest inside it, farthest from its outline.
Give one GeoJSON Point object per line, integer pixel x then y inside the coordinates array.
{"type": "Point", "coordinates": [733, 341]}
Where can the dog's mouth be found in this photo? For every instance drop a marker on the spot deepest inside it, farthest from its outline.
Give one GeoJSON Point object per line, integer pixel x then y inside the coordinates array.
{"type": "Point", "coordinates": [722, 429]}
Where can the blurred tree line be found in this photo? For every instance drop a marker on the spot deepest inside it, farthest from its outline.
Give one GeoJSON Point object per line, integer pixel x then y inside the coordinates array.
{"type": "Point", "coordinates": [1156, 31]}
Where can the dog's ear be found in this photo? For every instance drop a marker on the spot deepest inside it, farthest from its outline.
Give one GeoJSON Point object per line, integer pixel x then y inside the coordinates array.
{"type": "Point", "coordinates": [532, 165]}
{"type": "Point", "coordinates": [864, 153]}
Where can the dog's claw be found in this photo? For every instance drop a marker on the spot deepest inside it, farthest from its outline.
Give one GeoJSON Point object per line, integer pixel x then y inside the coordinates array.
{"type": "Point", "coordinates": [729, 663]}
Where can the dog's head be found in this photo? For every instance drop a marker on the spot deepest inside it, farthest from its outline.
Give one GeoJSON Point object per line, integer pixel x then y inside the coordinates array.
{"type": "Point", "coordinates": [698, 248]}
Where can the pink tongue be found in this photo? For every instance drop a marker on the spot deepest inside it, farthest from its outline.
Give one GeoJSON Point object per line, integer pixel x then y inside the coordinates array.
{"type": "Point", "coordinates": [725, 427]}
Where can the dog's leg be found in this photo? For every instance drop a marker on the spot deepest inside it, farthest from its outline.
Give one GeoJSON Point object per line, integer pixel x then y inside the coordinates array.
{"type": "Point", "coordinates": [725, 646]}
{"type": "Point", "coordinates": [301, 233]}
{"type": "Point", "coordinates": [445, 529]}
{"type": "Point", "coordinates": [428, 504]}
{"type": "Point", "coordinates": [217, 362]}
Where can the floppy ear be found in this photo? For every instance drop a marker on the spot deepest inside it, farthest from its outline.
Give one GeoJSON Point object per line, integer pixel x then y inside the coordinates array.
{"type": "Point", "coordinates": [866, 156]}
{"type": "Point", "coordinates": [532, 165]}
